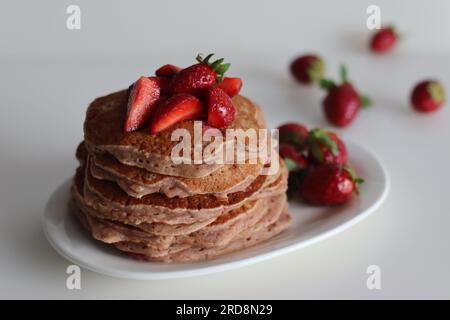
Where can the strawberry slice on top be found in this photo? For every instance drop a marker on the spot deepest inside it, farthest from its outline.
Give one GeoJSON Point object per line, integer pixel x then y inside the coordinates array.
{"type": "Point", "coordinates": [198, 77]}
{"type": "Point", "coordinates": [180, 107]}
{"type": "Point", "coordinates": [144, 94]}
{"type": "Point", "coordinates": [231, 86]}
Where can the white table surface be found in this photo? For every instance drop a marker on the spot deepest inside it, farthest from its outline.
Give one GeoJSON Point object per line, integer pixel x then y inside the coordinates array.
{"type": "Point", "coordinates": [43, 100]}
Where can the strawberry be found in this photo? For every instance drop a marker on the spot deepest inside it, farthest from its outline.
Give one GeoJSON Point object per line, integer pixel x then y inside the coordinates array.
{"type": "Point", "coordinates": [342, 102]}
{"type": "Point", "coordinates": [143, 95]}
{"type": "Point", "coordinates": [177, 108]}
{"type": "Point", "coordinates": [231, 86]}
{"type": "Point", "coordinates": [220, 108]}
{"type": "Point", "coordinates": [428, 96]}
{"type": "Point", "coordinates": [329, 184]}
{"type": "Point", "coordinates": [325, 147]}
{"type": "Point", "coordinates": [294, 160]}
{"type": "Point", "coordinates": [198, 77]}
{"type": "Point", "coordinates": [383, 40]}
{"type": "Point", "coordinates": [293, 133]}
{"type": "Point", "coordinates": [167, 71]}
{"type": "Point", "coordinates": [307, 69]}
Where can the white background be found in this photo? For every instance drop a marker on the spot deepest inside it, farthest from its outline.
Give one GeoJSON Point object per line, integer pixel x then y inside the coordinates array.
{"type": "Point", "coordinates": [49, 74]}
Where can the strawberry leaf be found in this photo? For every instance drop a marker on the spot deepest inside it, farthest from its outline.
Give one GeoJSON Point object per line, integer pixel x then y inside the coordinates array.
{"type": "Point", "coordinates": [365, 101]}
{"type": "Point", "coordinates": [327, 84]}
{"type": "Point", "coordinates": [291, 164]}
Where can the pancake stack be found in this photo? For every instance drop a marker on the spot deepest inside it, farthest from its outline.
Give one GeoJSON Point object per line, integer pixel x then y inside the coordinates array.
{"type": "Point", "coordinates": [127, 192]}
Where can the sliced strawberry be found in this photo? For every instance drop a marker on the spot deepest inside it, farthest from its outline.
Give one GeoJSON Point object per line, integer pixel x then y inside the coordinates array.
{"type": "Point", "coordinates": [144, 94]}
{"type": "Point", "coordinates": [164, 83]}
{"type": "Point", "coordinates": [231, 86]}
{"type": "Point", "coordinates": [177, 108]}
{"type": "Point", "coordinates": [167, 71]}
{"type": "Point", "coordinates": [221, 110]}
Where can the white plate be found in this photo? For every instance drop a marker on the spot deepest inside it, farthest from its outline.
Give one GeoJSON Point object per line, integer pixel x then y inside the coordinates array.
{"type": "Point", "coordinates": [309, 225]}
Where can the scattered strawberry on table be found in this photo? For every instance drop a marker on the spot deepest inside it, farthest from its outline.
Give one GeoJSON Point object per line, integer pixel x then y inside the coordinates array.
{"type": "Point", "coordinates": [198, 92]}
{"type": "Point", "coordinates": [428, 96]}
{"type": "Point", "coordinates": [319, 172]}
{"type": "Point", "coordinates": [342, 102]}
{"type": "Point", "coordinates": [308, 69]}
{"type": "Point", "coordinates": [384, 40]}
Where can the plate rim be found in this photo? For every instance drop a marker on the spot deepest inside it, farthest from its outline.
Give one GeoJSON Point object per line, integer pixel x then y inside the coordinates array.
{"type": "Point", "coordinates": [176, 274]}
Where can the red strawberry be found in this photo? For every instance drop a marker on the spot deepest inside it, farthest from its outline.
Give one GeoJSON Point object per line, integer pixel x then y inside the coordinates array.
{"type": "Point", "coordinates": [328, 185]}
{"type": "Point", "coordinates": [231, 86]}
{"type": "Point", "coordinates": [307, 69]}
{"type": "Point", "coordinates": [342, 103]}
{"type": "Point", "coordinates": [144, 94]}
{"type": "Point", "coordinates": [383, 40]}
{"type": "Point", "coordinates": [326, 147]}
{"type": "Point", "coordinates": [167, 71]}
{"type": "Point", "coordinates": [198, 77]}
{"type": "Point", "coordinates": [177, 108]}
{"type": "Point", "coordinates": [220, 108]}
{"type": "Point", "coordinates": [294, 160]}
{"type": "Point", "coordinates": [428, 96]}
{"type": "Point", "coordinates": [293, 133]}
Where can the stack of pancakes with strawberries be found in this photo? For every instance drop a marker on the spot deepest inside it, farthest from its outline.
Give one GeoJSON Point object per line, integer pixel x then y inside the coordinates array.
{"type": "Point", "coordinates": [129, 193]}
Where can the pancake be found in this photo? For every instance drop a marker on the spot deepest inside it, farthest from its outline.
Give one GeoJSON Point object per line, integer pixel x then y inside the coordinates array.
{"type": "Point", "coordinates": [108, 198]}
{"type": "Point", "coordinates": [217, 234]}
{"type": "Point", "coordinates": [103, 133]}
{"type": "Point", "coordinates": [156, 247]}
{"type": "Point", "coordinates": [138, 182]}
{"type": "Point", "coordinates": [191, 254]}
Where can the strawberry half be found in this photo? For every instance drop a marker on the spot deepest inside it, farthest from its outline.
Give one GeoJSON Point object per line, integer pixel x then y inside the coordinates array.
{"type": "Point", "coordinates": [177, 108]}
{"type": "Point", "coordinates": [325, 147]}
{"type": "Point", "coordinates": [428, 96]}
{"type": "Point", "coordinates": [144, 94]}
{"type": "Point", "coordinates": [231, 86]}
{"type": "Point", "coordinates": [198, 77]}
{"type": "Point", "coordinates": [221, 110]}
{"type": "Point", "coordinates": [167, 71]}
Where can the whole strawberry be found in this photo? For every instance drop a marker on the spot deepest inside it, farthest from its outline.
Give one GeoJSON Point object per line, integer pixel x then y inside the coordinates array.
{"type": "Point", "coordinates": [221, 110]}
{"type": "Point", "coordinates": [294, 160]}
{"type": "Point", "coordinates": [293, 133]}
{"type": "Point", "coordinates": [325, 147]}
{"type": "Point", "coordinates": [198, 77]}
{"type": "Point", "coordinates": [428, 96]}
{"type": "Point", "coordinates": [308, 69]}
{"type": "Point", "coordinates": [384, 40]}
{"type": "Point", "coordinates": [329, 185]}
{"type": "Point", "coordinates": [342, 102]}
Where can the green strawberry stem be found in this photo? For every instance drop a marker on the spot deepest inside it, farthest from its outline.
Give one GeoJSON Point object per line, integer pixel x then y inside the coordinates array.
{"type": "Point", "coordinates": [218, 67]}
{"type": "Point", "coordinates": [344, 74]}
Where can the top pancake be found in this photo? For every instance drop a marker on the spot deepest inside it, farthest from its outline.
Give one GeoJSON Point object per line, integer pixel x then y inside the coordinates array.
{"type": "Point", "coordinates": [103, 133]}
